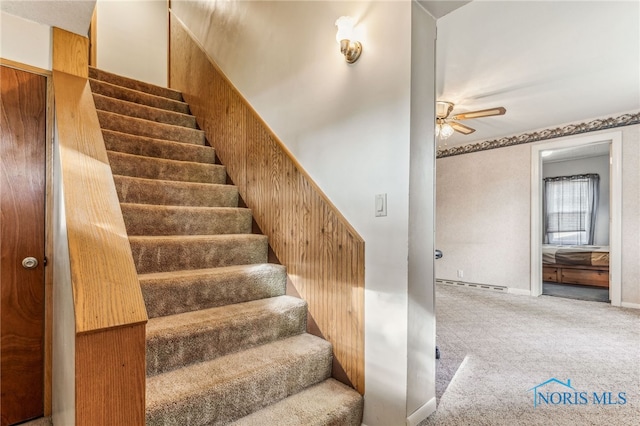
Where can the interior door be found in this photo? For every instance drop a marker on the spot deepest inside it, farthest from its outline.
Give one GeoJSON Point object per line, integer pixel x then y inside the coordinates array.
{"type": "Point", "coordinates": [22, 244]}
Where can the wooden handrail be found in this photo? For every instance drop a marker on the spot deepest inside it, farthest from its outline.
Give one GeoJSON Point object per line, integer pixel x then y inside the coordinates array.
{"type": "Point", "coordinates": [109, 311]}
{"type": "Point", "coordinates": [323, 254]}
{"type": "Point", "coordinates": [105, 282]}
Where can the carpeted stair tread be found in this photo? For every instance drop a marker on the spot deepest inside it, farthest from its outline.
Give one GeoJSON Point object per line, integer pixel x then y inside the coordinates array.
{"type": "Point", "coordinates": [152, 129]}
{"type": "Point", "coordinates": [172, 253]}
{"type": "Point", "coordinates": [178, 340]}
{"type": "Point", "coordinates": [159, 168]}
{"type": "Point", "coordinates": [130, 83]}
{"type": "Point", "coordinates": [159, 192]}
{"type": "Point", "coordinates": [327, 403]}
{"type": "Point", "coordinates": [119, 92]}
{"type": "Point", "coordinates": [169, 293]}
{"type": "Point", "coordinates": [150, 147]}
{"type": "Point", "coordinates": [148, 219]}
{"type": "Point", "coordinates": [132, 109]}
{"type": "Point", "coordinates": [232, 386]}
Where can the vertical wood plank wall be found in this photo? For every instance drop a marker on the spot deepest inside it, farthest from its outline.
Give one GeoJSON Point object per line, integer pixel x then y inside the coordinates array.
{"type": "Point", "coordinates": [323, 254]}
{"type": "Point", "coordinates": [108, 308]}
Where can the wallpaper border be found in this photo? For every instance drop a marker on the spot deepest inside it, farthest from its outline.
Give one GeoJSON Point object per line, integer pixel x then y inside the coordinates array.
{"type": "Point", "coordinates": [540, 135]}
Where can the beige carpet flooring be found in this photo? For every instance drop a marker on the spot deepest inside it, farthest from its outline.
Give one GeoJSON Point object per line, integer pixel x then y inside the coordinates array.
{"type": "Point", "coordinates": [505, 345]}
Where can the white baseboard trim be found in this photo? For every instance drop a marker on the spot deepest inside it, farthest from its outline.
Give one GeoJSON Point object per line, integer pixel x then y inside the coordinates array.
{"type": "Point", "coordinates": [519, 291]}
{"type": "Point", "coordinates": [630, 305]}
{"type": "Point", "coordinates": [422, 413]}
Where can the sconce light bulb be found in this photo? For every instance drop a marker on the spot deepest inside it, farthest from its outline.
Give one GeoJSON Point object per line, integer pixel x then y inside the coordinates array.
{"type": "Point", "coordinates": [345, 28]}
{"type": "Point", "coordinates": [350, 48]}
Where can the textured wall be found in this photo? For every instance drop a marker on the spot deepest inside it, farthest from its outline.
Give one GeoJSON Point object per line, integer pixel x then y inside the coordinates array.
{"type": "Point", "coordinates": [631, 216]}
{"type": "Point", "coordinates": [483, 216]}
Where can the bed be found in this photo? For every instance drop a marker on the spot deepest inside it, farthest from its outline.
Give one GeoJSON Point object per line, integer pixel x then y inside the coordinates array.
{"type": "Point", "coordinates": [581, 265]}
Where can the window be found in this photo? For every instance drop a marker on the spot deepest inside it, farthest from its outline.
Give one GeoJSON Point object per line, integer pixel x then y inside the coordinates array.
{"type": "Point", "coordinates": [570, 205]}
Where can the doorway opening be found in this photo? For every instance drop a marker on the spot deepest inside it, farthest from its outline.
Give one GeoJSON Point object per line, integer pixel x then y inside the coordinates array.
{"type": "Point", "coordinates": [581, 269]}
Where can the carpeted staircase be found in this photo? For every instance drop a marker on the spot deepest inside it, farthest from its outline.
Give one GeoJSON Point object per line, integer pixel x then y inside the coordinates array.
{"type": "Point", "coordinates": [225, 345]}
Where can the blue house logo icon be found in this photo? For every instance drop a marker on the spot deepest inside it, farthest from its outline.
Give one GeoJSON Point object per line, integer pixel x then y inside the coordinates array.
{"type": "Point", "coordinates": [552, 397]}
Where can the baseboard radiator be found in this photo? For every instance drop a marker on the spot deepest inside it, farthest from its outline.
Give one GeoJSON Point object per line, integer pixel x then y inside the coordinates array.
{"type": "Point", "coordinates": [472, 285]}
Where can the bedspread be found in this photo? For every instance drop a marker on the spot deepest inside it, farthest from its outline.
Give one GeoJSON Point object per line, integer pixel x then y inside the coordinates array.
{"type": "Point", "coordinates": [575, 255]}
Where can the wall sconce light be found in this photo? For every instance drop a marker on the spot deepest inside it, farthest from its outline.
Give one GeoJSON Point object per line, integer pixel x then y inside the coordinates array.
{"type": "Point", "coordinates": [351, 49]}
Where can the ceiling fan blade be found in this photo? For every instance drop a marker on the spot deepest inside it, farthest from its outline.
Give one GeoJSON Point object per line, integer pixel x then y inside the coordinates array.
{"type": "Point", "coordinates": [481, 113]}
{"type": "Point", "coordinates": [465, 130]}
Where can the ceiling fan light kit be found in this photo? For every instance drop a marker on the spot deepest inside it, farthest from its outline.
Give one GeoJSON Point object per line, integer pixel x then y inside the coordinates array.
{"type": "Point", "coordinates": [445, 126]}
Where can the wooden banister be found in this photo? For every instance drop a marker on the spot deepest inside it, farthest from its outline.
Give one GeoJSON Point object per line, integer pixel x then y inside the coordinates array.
{"type": "Point", "coordinates": [109, 311]}
{"type": "Point", "coordinates": [323, 254]}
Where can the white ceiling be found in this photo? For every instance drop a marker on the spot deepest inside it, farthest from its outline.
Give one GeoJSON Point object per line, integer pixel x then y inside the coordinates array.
{"type": "Point", "coordinates": [74, 16]}
{"type": "Point", "coordinates": [440, 8]}
{"type": "Point", "coordinates": [574, 153]}
{"type": "Point", "coordinates": [547, 62]}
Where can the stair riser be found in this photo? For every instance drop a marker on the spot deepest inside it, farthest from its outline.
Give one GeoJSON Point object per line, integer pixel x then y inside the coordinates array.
{"type": "Point", "coordinates": [151, 220]}
{"type": "Point", "coordinates": [137, 126]}
{"type": "Point", "coordinates": [159, 168]}
{"type": "Point", "coordinates": [245, 394]}
{"type": "Point", "coordinates": [149, 147]}
{"type": "Point", "coordinates": [129, 95]}
{"type": "Point", "coordinates": [174, 295]}
{"type": "Point", "coordinates": [134, 84]}
{"type": "Point", "coordinates": [162, 256]}
{"type": "Point", "coordinates": [145, 191]}
{"type": "Point", "coordinates": [132, 109]}
{"type": "Point", "coordinates": [336, 404]}
{"type": "Point", "coordinates": [172, 349]}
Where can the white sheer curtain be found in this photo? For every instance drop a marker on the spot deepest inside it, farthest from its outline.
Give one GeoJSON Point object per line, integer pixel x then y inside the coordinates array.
{"type": "Point", "coordinates": [570, 206]}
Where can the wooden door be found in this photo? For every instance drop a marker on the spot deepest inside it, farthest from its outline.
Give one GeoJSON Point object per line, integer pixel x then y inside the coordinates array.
{"type": "Point", "coordinates": [22, 230]}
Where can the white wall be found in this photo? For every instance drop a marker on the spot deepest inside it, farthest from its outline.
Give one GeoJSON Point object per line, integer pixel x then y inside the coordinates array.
{"type": "Point", "coordinates": [64, 324]}
{"type": "Point", "coordinates": [24, 41]}
{"type": "Point", "coordinates": [421, 364]}
{"type": "Point", "coordinates": [598, 165]}
{"type": "Point", "coordinates": [133, 39]}
{"type": "Point", "coordinates": [483, 216]}
{"type": "Point", "coordinates": [349, 127]}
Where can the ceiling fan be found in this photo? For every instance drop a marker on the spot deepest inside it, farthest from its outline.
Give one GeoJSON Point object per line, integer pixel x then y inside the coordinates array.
{"type": "Point", "coordinates": [445, 126]}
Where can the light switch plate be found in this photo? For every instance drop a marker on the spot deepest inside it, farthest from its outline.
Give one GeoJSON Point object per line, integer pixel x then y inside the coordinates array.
{"type": "Point", "coordinates": [381, 205]}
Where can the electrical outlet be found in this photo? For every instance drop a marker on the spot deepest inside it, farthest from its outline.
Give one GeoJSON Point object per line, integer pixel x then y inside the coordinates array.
{"type": "Point", "coordinates": [460, 273]}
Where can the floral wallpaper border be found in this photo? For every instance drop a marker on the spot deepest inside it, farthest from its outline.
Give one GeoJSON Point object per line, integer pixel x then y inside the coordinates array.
{"type": "Point", "coordinates": [568, 130]}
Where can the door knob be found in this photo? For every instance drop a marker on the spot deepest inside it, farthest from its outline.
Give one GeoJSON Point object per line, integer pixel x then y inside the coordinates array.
{"type": "Point", "coordinates": [29, 262]}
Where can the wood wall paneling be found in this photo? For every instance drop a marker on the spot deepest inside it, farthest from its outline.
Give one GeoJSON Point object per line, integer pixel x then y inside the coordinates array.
{"type": "Point", "coordinates": [109, 388]}
{"type": "Point", "coordinates": [70, 53]}
{"type": "Point", "coordinates": [323, 254]}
